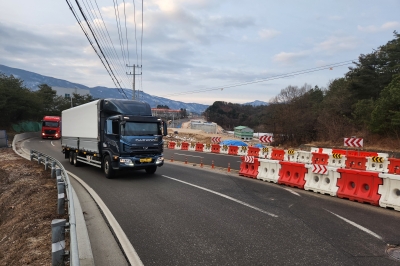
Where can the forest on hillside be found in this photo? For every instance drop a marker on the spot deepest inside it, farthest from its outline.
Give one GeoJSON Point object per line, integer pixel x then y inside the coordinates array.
{"type": "Point", "coordinates": [365, 102]}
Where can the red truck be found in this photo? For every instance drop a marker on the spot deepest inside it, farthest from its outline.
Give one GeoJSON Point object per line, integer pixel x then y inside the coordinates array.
{"type": "Point", "coordinates": [51, 127]}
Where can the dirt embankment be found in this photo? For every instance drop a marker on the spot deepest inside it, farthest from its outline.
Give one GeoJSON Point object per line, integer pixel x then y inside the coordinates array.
{"type": "Point", "coordinates": [28, 204]}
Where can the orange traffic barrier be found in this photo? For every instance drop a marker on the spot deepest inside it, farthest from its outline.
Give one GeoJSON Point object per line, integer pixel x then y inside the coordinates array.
{"type": "Point", "coordinates": [277, 154]}
{"type": "Point", "coordinates": [292, 174]}
{"type": "Point", "coordinates": [345, 152]}
{"type": "Point", "coordinates": [249, 168]}
{"type": "Point", "coordinates": [320, 158]}
{"type": "Point", "coordinates": [171, 145]}
{"type": "Point", "coordinates": [356, 162]}
{"type": "Point", "coordinates": [394, 166]}
{"type": "Point", "coordinates": [185, 146]}
{"type": "Point", "coordinates": [361, 186]}
{"type": "Point", "coordinates": [233, 150]}
{"type": "Point", "coordinates": [215, 148]}
{"type": "Point", "coordinates": [253, 151]}
{"type": "Point", "coordinates": [199, 146]}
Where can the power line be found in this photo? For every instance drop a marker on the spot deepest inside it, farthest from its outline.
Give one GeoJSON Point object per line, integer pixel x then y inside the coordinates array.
{"type": "Point", "coordinates": [296, 73]}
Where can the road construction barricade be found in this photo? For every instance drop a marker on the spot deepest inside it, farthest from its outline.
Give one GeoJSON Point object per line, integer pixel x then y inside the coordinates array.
{"type": "Point", "coordinates": [292, 174]}
{"type": "Point", "coordinates": [277, 154]}
{"type": "Point", "coordinates": [321, 150]}
{"type": "Point", "coordinates": [199, 147]}
{"type": "Point", "coordinates": [171, 145]}
{"type": "Point", "coordinates": [215, 148]}
{"type": "Point", "coordinates": [322, 179]}
{"type": "Point", "coordinates": [337, 160]}
{"type": "Point", "coordinates": [249, 166]}
{"type": "Point", "coordinates": [357, 185]}
{"type": "Point", "coordinates": [233, 150]}
{"type": "Point", "coordinates": [192, 146]}
{"type": "Point", "coordinates": [356, 162]}
{"type": "Point", "coordinates": [207, 148]}
{"type": "Point", "coordinates": [224, 149]}
{"type": "Point", "coordinates": [269, 170]}
{"type": "Point", "coordinates": [291, 155]}
{"type": "Point", "coordinates": [178, 146]}
{"type": "Point", "coordinates": [185, 146]}
{"type": "Point", "coordinates": [304, 157]}
{"type": "Point", "coordinates": [264, 153]}
{"type": "Point", "coordinates": [253, 151]}
{"type": "Point", "coordinates": [377, 164]}
{"type": "Point", "coordinates": [320, 158]}
{"type": "Point", "coordinates": [243, 150]}
{"type": "Point", "coordinates": [345, 152]}
{"type": "Point", "coordinates": [390, 191]}
{"type": "Point", "coordinates": [394, 166]}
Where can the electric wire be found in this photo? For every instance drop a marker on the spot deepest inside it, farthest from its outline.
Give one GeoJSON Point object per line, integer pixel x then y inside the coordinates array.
{"type": "Point", "coordinates": [126, 35]}
{"type": "Point", "coordinates": [296, 73]}
{"type": "Point", "coordinates": [101, 51]}
{"type": "Point", "coordinates": [117, 19]}
{"type": "Point", "coordinates": [90, 41]}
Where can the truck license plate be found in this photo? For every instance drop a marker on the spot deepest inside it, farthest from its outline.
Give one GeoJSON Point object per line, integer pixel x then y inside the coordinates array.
{"type": "Point", "coordinates": [145, 160]}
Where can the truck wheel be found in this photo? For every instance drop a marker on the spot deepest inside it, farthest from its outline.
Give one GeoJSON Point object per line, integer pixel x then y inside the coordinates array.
{"type": "Point", "coordinates": [76, 163]}
{"type": "Point", "coordinates": [107, 168]}
{"type": "Point", "coordinates": [71, 157]}
{"type": "Point", "coordinates": [151, 170]}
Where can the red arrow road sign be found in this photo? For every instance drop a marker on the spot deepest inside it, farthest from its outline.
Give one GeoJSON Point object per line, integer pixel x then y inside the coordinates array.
{"type": "Point", "coordinates": [319, 169]}
{"type": "Point", "coordinates": [215, 139]}
{"type": "Point", "coordinates": [249, 159]}
{"type": "Point", "coordinates": [266, 139]}
{"type": "Point", "coordinates": [353, 142]}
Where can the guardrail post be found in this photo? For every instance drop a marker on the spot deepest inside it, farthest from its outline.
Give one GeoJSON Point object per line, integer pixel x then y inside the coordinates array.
{"type": "Point", "coordinates": [58, 241]}
{"type": "Point", "coordinates": [53, 169]}
{"type": "Point", "coordinates": [46, 161]}
{"type": "Point", "coordinates": [31, 155]}
{"type": "Point", "coordinates": [58, 175]}
{"type": "Point", "coordinates": [61, 198]}
{"type": "Point", "coordinates": [38, 159]}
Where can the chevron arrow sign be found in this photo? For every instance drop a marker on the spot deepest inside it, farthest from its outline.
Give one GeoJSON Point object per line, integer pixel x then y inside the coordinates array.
{"type": "Point", "coordinates": [320, 169]}
{"type": "Point", "coordinates": [353, 142]}
{"type": "Point", "coordinates": [266, 139]}
{"type": "Point", "coordinates": [215, 139]}
{"type": "Point", "coordinates": [249, 159]}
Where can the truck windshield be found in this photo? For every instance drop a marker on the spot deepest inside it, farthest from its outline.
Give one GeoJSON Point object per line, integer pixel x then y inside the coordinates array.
{"type": "Point", "coordinates": [140, 129]}
{"type": "Point", "coordinates": [50, 124]}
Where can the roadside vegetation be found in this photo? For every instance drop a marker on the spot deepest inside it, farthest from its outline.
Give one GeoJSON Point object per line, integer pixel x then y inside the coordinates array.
{"type": "Point", "coordinates": [364, 103]}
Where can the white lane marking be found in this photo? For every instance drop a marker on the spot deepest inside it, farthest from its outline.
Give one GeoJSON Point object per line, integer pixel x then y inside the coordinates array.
{"type": "Point", "coordinates": [357, 225]}
{"type": "Point", "coordinates": [188, 155]}
{"type": "Point", "coordinates": [222, 195]}
{"type": "Point", "coordinates": [52, 143]}
{"type": "Point", "coordinates": [291, 191]}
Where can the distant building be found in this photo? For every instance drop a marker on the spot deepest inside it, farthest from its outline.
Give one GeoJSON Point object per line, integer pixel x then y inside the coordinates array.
{"type": "Point", "coordinates": [68, 92]}
{"type": "Point", "coordinates": [243, 132]}
{"type": "Point", "coordinates": [204, 126]}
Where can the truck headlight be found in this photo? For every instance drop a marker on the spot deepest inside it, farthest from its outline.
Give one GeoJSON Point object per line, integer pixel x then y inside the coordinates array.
{"type": "Point", "coordinates": [160, 160]}
{"type": "Point", "coordinates": [126, 162]}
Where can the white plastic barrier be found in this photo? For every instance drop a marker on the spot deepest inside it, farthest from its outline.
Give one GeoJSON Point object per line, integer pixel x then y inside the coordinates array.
{"type": "Point", "coordinates": [207, 148]}
{"type": "Point", "coordinates": [224, 149]}
{"type": "Point", "coordinates": [390, 191]}
{"type": "Point", "coordinates": [337, 162]}
{"type": "Point", "coordinates": [304, 157]}
{"type": "Point", "coordinates": [291, 156]}
{"type": "Point", "coordinates": [264, 153]}
{"type": "Point", "coordinates": [322, 183]}
{"type": "Point", "coordinates": [178, 146]}
{"type": "Point", "coordinates": [321, 150]}
{"type": "Point", "coordinates": [242, 150]}
{"type": "Point", "coordinates": [269, 170]}
{"type": "Point", "coordinates": [378, 165]}
{"type": "Point", "coordinates": [192, 147]}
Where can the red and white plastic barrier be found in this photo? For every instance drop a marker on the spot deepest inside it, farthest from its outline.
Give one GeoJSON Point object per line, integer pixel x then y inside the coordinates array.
{"type": "Point", "coordinates": [322, 179]}
{"type": "Point", "coordinates": [269, 170]}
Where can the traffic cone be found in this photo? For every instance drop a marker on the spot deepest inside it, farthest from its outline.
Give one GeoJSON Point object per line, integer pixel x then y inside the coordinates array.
{"type": "Point", "coordinates": [229, 167]}
{"type": "Point", "coordinates": [212, 165]}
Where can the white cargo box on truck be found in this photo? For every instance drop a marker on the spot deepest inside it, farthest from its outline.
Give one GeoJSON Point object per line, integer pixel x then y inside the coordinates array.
{"type": "Point", "coordinates": [81, 122]}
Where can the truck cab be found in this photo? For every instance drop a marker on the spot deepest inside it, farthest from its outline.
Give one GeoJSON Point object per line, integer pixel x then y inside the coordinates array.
{"type": "Point", "coordinates": [51, 127]}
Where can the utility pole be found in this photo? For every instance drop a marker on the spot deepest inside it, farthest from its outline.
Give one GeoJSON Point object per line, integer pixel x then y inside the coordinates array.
{"type": "Point", "coordinates": [134, 75]}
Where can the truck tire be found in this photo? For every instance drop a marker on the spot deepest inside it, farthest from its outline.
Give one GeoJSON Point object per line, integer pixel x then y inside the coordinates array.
{"type": "Point", "coordinates": [76, 163]}
{"type": "Point", "coordinates": [151, 170]}
{"type": "Point", "coordinates": [71, 157]}
{"type": "Point", "coordinates": [107, 168]}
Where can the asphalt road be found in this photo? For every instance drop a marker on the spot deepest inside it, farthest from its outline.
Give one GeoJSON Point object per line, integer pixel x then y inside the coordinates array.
{"type": "Point", "coordinates": [184, 215]}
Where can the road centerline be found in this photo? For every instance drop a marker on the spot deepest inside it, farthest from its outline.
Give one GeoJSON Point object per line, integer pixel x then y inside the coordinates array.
{"type": "Point", "coordinates": [189, 155]}
{"type": "Point", "coordinates": [223, 195]}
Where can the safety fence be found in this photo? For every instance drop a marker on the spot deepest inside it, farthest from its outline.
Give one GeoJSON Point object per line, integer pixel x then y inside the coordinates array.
{"type": "Point", "coordinates": [366, 177]}
{"type": "Point", "coordinates": [59, 227]}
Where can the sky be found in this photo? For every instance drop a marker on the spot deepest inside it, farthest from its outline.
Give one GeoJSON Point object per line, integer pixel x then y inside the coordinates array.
{"type": "Point", "coordinates": [196, 51]}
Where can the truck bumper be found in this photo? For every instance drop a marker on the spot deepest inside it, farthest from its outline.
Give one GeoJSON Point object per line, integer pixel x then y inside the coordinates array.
{"type": "Point", "coordinates": [138, 163]}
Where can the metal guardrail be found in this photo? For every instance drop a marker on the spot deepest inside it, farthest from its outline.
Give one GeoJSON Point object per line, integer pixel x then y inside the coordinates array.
{"type": "Point", "coordinates": [60, 226]}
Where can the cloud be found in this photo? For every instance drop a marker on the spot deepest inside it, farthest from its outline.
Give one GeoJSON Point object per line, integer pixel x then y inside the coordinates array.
{"type": "Point", "coordinates": [337, 43]}
{"type": "Point", "coordinates": [336, 18]}
{"type": "Point", "coordinates": [268, 33]}
{"type": "Point", "coordinates": [391, 25]}
{"type": "Point", "coordinates": [288, 58]}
